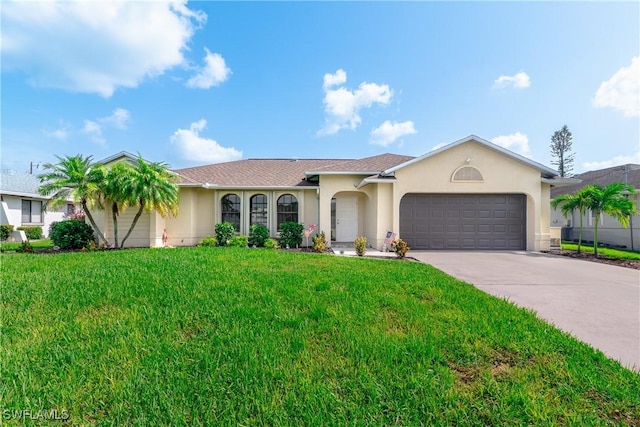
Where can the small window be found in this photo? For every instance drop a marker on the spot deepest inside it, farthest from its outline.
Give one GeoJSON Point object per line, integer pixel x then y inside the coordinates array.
{"type": "Point", "coordinates": [230, 207]}
{"type": "Point", "coordinates": [71, 208]}
{"type": "Point", "coordinates": [468, 174]}
{"type": "Point", "coordinates": [287, 209]}
{"type": "Point", "coordinates": [31, 212]}
{"type": "Point", "coordinates": [258, 207]}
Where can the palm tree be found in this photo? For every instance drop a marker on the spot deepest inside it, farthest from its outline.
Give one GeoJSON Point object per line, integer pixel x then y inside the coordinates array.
{"type": "Point", "coordinates": [75, 177]}
{"type": "Point", "coordinates": [579, 201]}
{"type": "Point", "coordinates": [114, 184]}
{"type": "Point", "coordinates": [150, 186]}
{"type": "Point", "coordinates": [610, 200]}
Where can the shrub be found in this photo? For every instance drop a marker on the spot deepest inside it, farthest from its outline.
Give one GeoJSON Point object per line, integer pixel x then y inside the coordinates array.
{"type": "Point", "coordinates": [71, 234]}
{"type": "Point", "coordinates": [291, 234]}
{"type": "Point", "coordinates": [400, 247]}
{"type": "Point", "coordinates": [239, 241]}
{"type": "Point", "coordinates": [271, 244]}
{"type": "Point", "coordinates": [361, 245]}
{"type": "Point", "coordinates": [32, 232]}
{"type": "Point", "coordinates": [258, 234]}
{"type": "Point", "coordinates": [25, 247]}
{"type": "Point", "coordinates": [208, 242]}
{"type": "Point", "coordinates": [320, 242]}
{"type": "Point", "coordinates": [224, 233]}
{"type": "Point", "coordinates": [5, 231]}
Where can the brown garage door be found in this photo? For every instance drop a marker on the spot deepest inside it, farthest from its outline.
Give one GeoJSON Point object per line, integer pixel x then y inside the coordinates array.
{"type": "Point", "coordinates": [463, 221]}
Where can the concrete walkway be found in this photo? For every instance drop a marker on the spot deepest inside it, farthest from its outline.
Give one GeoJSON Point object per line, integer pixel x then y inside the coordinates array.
{"type": "Point", "coordinates": [597, 303]}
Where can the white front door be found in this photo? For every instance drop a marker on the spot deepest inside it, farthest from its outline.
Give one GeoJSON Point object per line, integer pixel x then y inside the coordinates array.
{"type": "Point", "coordinates": [346, 219]}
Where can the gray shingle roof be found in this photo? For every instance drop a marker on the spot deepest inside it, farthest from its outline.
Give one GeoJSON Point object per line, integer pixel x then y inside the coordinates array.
{"type": "Point", "coordinates": [19, 183]}
{"type": "Point", "coordinates": [254, 173]}
{"type": "Point", "coordinates": [367, 165]}
{"type": "Point", "coordinates": [282, 172]}
{"type": "Point", "coordinates": [602, 177]}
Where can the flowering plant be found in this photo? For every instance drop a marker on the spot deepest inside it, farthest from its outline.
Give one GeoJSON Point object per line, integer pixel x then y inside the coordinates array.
{"type": "Point", "coordinates": [400, 247]}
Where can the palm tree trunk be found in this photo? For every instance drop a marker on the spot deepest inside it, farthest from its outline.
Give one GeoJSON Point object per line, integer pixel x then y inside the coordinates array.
{"type": "Point", "coordinates": [114, 215]}
{"type": "Point", "coordinates": [595, 235]}
{"type": "Point", "coordinates": [580, 234]}
{"type": "Point", "coordinates": [93, 223]}
{"type": "Point", "coordinates": [133, 224]}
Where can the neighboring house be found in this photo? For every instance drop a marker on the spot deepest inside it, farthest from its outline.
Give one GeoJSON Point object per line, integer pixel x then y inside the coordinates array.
{"type": "Point", "coordinates": [470, 194]}
{"type": "Point", "coordinates": [23, 206]}
{"type": "Point", "coordinates": [609, 230]}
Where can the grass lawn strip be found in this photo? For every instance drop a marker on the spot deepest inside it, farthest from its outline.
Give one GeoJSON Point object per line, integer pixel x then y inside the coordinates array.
{"type": "Point", "coordinates": [201, 336]}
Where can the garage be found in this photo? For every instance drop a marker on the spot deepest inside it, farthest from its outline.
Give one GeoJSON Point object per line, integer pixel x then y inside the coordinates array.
{"type": "Point", "coordinates": [463, 221]}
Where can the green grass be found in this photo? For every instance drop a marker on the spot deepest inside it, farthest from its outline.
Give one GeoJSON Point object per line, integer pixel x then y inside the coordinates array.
{"type": "Point", "coordinates": [602, 251]}
{"type": "Point", "coordinates": [36, 244]}
{"type": "Point", "coordinates": [226, 336]}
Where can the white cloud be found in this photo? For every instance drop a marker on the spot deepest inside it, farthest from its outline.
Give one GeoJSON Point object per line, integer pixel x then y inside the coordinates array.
{"type": "Point", "coordinates": [93, 128]}
{"type": "Point", "coordinates": [331, 80]}
{"type": "Point", "coordinates": [195, 148]}
{"type": "Point", "coordinates": [119, 119]}
{"type": "Point", "coordinates": [616, 161]}
{"type": "Point", "coordinates": [342, 106]}
{"type": "Point", "coordinates": [61, 133]}
{"type": "Point", "coordinates": [519, 81]}
{"type": "Point", "coordinates": [622, 91]}
{"type": "Point", "coordinates": [214, 72]}
{"type": "Point", "coordinates": [94, 131]}
{"type": "Point", "coordinates": [388, 132]}
{"type": "Point", "coordinates": [516, 142]}
{"type": "Point", "coordinates": [95, 47]}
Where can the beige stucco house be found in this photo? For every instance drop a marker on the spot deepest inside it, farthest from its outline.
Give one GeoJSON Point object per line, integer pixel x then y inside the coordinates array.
{"type": "Point", "coordinates": [470, 194]}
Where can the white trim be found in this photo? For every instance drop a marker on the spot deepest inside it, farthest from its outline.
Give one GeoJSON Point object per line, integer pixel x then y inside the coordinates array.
{"type": "Point", "coordinates": [342, 172]}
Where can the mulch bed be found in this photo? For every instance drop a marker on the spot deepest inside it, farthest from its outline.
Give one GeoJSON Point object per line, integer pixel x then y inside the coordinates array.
{"type": "Point", "coordinates": [627, 263]}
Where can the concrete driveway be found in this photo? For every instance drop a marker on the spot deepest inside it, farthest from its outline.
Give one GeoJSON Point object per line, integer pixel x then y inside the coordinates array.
{"type": "Point", "coordinates": [597, 303]}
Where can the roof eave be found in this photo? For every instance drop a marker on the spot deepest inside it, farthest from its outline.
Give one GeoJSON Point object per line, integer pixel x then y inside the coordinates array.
{"type": "Point", "coordinates": [560, 181]}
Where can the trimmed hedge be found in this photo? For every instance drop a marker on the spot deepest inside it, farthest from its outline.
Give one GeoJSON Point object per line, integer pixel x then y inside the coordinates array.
{"type": "Point", "coordinates": [291, 234]}
{"type": "Point", "coordinates": [5, 231]}
{"type": "Point", "coordinates": [32, 232]}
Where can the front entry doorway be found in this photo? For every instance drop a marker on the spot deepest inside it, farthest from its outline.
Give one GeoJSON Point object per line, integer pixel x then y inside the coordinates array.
{"type": "Point", "coordinates": [345, 218]}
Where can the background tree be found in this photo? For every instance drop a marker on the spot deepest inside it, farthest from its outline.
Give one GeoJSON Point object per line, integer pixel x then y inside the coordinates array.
{"type": "Point", "coordinates": [610, 200]}
{"type": "Point", "coordinates": [73, 177]}
{"type": "Point", "coordinates": [561, 144]}
{"type": "Point", "coordinates": [579, 201]}
{"type": "Point", "coordinates": [150, 186]}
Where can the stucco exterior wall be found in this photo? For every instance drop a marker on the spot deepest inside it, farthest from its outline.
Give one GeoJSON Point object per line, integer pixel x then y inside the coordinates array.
{"type": "Point", "coordinates": [12, 213]}
{"type": "Point", "coordinates": [501, 174]}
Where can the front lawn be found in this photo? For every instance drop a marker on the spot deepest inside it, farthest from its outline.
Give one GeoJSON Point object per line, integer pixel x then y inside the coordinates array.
{"type": "Point", "coordinates": [35, 244]}
{"type": "Point", "coordinates": [209, 336]}
{"type": "Point", "coordinates": [603, 251]}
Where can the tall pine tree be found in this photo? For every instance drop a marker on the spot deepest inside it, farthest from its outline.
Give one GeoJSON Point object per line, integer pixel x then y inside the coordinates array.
{"type": "Point", "coordinates": [561, 143]}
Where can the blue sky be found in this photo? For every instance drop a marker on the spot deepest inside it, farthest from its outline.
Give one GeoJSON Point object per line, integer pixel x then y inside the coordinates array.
{"type": "Point", "coordinates": [204, 82]}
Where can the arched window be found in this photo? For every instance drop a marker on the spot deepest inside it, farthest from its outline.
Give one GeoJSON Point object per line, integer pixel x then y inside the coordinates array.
{"type": "Point", "coordinates": [230, 205]}
{"type": "Point", "coordinates": [287, 209]}
{"type": "Point", "coordinates": [467, 173]}
{"type": "Point", "coordinates": [258, 210]}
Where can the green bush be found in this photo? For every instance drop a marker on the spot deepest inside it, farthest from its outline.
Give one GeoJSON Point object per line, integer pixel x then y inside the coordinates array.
{"type": "Point", "coordinates": [361, 245]}
{"type": "Point", "coordinates": [32, 232]}
{"type": "Point", "coordinates": [71, 234]}
{"type": "Point", "coordinates": [291, 234]}
{"type": "Point", "coordinates": [320, 242]}
{"type": "Point", "coordinates": [271, 244]}
{"type": "Point", "coordinates": [258, 234]}
{"type": "Point", "coordinates": [208, 242]}
{"type": "Point", "coordinates": [224, 233]}
{"type": "Point", "coordinates": [5, 231]}
{"type": "Point", "coordinates": [239, 241]}
{"type": "Point", "coordinates": [25, 247]}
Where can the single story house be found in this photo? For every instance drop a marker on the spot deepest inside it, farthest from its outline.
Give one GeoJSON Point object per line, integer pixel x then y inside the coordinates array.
{"type": "Point", "coordinates": [21, 205]}
{"type": "Point", "coordinates": [470, 195]}
{"type": "Point", "coordinates": [610, 231]}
